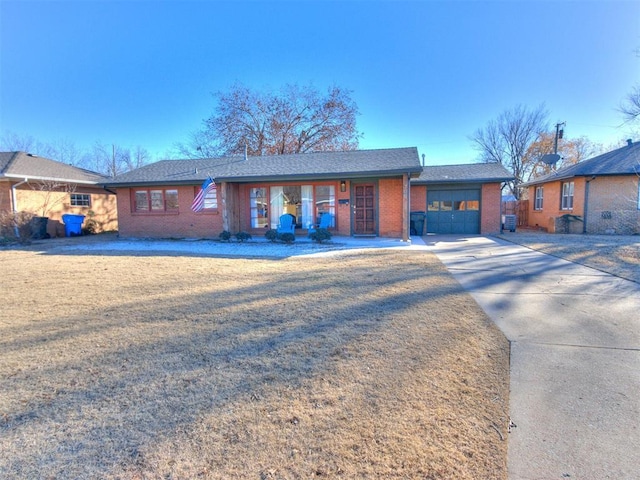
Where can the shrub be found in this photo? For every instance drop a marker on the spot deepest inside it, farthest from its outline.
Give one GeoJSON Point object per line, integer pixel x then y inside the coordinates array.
{"type": "Point", "coordinates": [10, 222]}
{"type": "Point", "coordinates": [287, 237]}
{"type": "Point", "coordinates": [224, 236]}
{"type": "Point", "coordinates": [271, 235]}
{"type": "Point", "coordinates": [90, 225]}
{"type": "Point", "coordinates": [242, 236]}
{"type": "Point", "coordinates": [320, 235]}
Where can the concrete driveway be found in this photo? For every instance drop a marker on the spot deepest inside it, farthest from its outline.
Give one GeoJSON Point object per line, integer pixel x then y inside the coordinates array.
{"type": "Point", "coordinates": [575, 357]}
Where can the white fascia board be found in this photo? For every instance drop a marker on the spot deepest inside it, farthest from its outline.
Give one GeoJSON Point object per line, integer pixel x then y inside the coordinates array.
{"type": "Point", "coordinates": [52, 179]}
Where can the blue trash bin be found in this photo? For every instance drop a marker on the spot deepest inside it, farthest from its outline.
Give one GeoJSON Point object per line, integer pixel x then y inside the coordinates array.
{"type": "Point", "coordinates": [72, 224]}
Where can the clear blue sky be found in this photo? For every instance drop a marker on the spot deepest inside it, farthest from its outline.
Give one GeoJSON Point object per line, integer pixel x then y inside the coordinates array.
{"type": "Point", "coordinates": [424, 74]}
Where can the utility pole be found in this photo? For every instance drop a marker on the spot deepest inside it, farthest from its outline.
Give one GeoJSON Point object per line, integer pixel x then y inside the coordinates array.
{"type": "Point", "coordinates": [559, 135]}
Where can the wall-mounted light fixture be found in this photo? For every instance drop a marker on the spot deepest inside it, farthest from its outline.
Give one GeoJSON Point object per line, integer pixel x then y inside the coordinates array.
{"type": "Point", "coordinates": [343, 186]}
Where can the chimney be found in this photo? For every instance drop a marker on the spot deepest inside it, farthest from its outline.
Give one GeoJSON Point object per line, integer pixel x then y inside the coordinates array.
{"type": "Point", "coordinates": [629, 142]}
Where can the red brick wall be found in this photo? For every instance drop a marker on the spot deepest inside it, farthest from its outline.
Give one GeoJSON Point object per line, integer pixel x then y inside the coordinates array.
{"type": "Point", "coordinates": [184, 224]}
{"type": "Point", "coordinates": [551, 203]}
{"type": "Point", "coordinates": [343, 211]}
{"type": "Point", "coordinates": [490, 205]}
{"type": "Point", "coordinates": [390, 207]}
{"type": "Point", "coordinates": [418, 198]}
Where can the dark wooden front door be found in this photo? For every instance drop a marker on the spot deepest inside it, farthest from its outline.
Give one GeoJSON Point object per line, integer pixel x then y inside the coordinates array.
{"type": "Point", "coordinates": [364, 210]}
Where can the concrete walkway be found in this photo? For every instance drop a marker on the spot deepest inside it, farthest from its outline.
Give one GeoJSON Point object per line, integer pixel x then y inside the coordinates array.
{"type": "Point", "coordinates": [575, 357]}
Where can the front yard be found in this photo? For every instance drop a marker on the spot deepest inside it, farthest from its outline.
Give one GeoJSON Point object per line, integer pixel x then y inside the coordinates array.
{"type": "Point", "coordinates": [371, 364]}
{"type": "Point", "coordinates": [615, 254]}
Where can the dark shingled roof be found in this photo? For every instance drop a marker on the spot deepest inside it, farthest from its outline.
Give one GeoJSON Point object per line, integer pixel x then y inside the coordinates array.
{"type": "Point", "coordinates": [303, 166]}
{"type": "Point", "coordinates": [622, 161]}
{"type": "Point", "coordinates": [469, 173]}
{"type": "Point", "coordinates": [21, 165]}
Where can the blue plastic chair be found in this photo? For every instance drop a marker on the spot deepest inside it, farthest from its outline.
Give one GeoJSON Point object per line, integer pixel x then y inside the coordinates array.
{"type": "Point", "coordinates": [287, 224]}
{"type": "Point", "coordinates": [326, 220]}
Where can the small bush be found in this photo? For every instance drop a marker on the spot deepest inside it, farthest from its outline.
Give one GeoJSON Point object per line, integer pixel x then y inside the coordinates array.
{"type": "Point", "coordinates": [224, 236]}
{"type": "Point", "coordinates": [243, 236]}
{"type": "Point", "coordinates": [271, 235]}
{"type": "Point", "coordinates": [10, 222]}
{"type": "Point", "coordinates": [320, 235]}
{"type": "Point", "coordinates": [287, 237]}
{"type": "Point", "coordinates": [90, 226]}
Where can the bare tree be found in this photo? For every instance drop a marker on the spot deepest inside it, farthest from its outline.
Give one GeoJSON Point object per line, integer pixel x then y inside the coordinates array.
{"type": "Point", "coordinates": [107, 159]}
{"type": "Point", "coordinates": [111, 160]}
{"type": "Point", "coordinates": [630, 108]}
{"type": "Point", "coordinates": [139, 157]}
{"type": "Point", "coordinates": [14, 142]}
{"type": "Point", "coordinates": [64, 150]}
{"type": "Point", "coordinates": [507, 139]}
{"type": "Point", "coordinates": [294, 120]}
{"type": "Point", "coordinates": [52, 193]}
{"type": "Point", "coordinates": [571, 151]}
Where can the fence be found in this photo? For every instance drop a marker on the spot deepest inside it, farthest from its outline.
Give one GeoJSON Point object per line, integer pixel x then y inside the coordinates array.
{"type": "Point", "coordinates": [519, 208]}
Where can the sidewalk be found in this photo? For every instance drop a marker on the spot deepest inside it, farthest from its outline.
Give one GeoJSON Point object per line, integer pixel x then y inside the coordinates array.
{"type": "Point", "coordinates": [575, 357]}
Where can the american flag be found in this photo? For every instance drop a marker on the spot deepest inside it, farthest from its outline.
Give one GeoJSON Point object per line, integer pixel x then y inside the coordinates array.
{"type": "Point", "coordinates": [198, 202]}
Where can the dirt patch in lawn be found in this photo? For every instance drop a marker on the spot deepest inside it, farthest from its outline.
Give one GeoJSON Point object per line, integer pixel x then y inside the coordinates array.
{"type": "Point", "coordinates": [615, 254]}
{"type": "Point", "coordinates": [373, 364]}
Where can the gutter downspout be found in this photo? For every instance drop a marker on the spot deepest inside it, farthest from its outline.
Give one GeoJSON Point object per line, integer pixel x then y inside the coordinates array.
{"type": "Point", "coordinates": [406, 207]}
{"type": "Point", "coordinates": [586, 204]}
{"type": "Point", "coordinates": [14, 202]}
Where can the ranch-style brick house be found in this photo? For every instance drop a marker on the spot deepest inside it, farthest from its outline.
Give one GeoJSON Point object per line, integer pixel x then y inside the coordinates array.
{"type": "Point", "coordinates": [48, 188]}
{"type": "Point", "coordinates": [367, 193]}
{"type": "Point", "coordinates": [600, 195]}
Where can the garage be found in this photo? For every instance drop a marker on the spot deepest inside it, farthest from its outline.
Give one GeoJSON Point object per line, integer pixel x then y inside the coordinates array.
{"type": "Point", "coordinates": [460, 199]}
{"type": "Point", "coordinates": [453, 211]}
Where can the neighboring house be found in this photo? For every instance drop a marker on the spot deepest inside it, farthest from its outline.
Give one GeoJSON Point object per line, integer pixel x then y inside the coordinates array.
{"type": "Point", "coordinates": [460, 199]}
{"type": "Point", "coordinates": [47, 188]}
{"type": "Point", "coordinates": [367, 192]}
{"type": "Point", "coordinates": [599, 195]}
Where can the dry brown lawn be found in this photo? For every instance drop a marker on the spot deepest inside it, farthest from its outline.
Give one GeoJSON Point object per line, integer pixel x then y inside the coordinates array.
{"type": "Point", "coordinates": [366, 365]}
{"type": "Point", "coordinates": [615, 254]}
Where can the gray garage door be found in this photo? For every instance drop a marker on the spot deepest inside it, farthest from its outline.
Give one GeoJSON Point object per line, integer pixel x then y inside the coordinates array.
{"type": "Point", "coordinates": [453, 211]}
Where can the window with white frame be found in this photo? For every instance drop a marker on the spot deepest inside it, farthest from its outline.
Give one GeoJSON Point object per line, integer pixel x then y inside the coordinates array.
{"type": "Point", "coordinates": [80, 200]}
{"type": "Point", "coordinates": [211, 199]}
{"type": "Point", "coordinates": [567, 196]}
{"type": "Point", "coordinates": [537, 205]}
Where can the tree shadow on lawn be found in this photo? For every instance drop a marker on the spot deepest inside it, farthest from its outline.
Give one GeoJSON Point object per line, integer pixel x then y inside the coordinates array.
{"type": "Point", "coordinates": [95, 396]}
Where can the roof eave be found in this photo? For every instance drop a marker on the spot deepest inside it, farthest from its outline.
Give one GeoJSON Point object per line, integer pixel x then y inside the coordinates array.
{"type": "Point", "coordinates": [317, 176]}
{"type": "Point", "coordinates": [413, 172]}
{"type": "Point", "coordinates": [49, 179]}
{"type": "Point", "coordinates": [464, 180]}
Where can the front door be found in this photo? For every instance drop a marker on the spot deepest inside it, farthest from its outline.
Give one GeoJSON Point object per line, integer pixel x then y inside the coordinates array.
{"type": "Point", "coordinates": [364, 210]}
